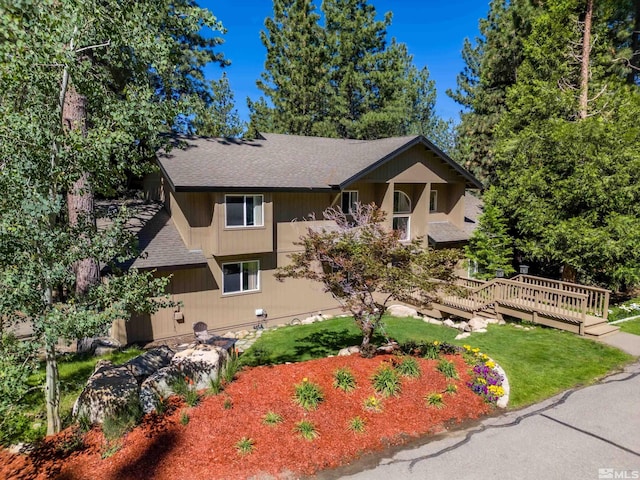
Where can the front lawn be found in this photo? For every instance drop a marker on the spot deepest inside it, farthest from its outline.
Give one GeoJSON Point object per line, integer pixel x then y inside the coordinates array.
{"type": "Point", "coordinates": [631, 326]}
{"type": "Point", "coordinates": [539, 363]}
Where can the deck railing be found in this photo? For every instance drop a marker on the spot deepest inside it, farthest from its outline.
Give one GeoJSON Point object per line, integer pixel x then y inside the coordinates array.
{"type": "Point", "coordinates": [597, 298]}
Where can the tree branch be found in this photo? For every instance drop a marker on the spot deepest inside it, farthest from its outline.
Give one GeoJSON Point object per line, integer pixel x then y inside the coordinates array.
{"type": "Point", "coordinates": [92, 47]}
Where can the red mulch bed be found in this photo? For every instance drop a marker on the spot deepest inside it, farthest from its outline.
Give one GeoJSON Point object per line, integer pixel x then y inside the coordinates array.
{"type": "Point", "coordinates": [163, 449]}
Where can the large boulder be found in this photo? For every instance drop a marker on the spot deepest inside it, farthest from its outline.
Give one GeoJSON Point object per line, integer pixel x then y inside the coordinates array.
{"type": "Point", "coordinates": [401, 311]}
{"type": "Point", "coordinates": [109, 390]}
{"type": "Point", "coordinates": [202, 363]}
{"type": "Point", "coordinates": [198, 366]}
{"type": "Point", "coordinates": [97, 346]}
{"type": "Point", "coordinates": [478, 323]}
{"type": "Point", "coordinates": [145, 365]}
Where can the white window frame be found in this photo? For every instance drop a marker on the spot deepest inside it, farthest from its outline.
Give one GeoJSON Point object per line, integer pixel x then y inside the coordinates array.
{"type": "Point", "coordinates": [403, 214]}
{"type": "Point", "coordinates": [351, 201]}
{"type": "Point", "coordinates": [241, 263]}
{"type": "Point", "coordinates": [433, 201]}
{"type": "Point", "coordinates": [244, 210]}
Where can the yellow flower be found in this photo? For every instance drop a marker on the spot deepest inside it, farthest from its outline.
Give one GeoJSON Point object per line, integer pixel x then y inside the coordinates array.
{"type": "Point", "coordinates": [467, 347]}
{"type": "Point", "coordinates": [305, 379]}
{"type": "Point", "coordinates": [497, 390]}
{"type": "Point", "coordinates": [476, 350]}
{"type": "Point", "coordinates": [481, 380]}
{"type": "Point", "coordinates": [490, 364]}
{"type": "Point", "coordinates": [436, 343]}
{"type": "Point", "coordinates": [485, 356]}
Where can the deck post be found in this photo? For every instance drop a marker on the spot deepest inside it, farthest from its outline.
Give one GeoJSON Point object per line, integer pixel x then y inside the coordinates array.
{"type": "Point", "coordinates": [605, 307]}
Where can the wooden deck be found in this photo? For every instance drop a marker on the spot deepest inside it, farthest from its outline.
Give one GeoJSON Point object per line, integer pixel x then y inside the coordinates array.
{"type": "Point", "coordinates": [577, 308]}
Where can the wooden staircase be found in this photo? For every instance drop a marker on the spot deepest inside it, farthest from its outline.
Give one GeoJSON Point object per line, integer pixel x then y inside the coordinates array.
{"type": "Point", "coordinates": [568, 306]}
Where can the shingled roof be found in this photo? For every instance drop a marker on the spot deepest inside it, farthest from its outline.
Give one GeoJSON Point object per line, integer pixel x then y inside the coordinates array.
{"type": "Point", "coordinates": [162, 246]}
{"type": "Point", "coordinates": [284, 162]}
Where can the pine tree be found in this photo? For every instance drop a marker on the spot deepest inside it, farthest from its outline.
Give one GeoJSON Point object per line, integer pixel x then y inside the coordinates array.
{"type": "Point", "coordinates": [491, 67]}
{"type": "Point", "coordinates": [568, 161]}
{"type": "Point", "coordinates": [218, 116]}
{"type": "Point", "coordinates": [295, 78]}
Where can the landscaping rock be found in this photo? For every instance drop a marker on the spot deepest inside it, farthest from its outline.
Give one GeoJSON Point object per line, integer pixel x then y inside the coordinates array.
{"type": "Point", "coordinates": [477, 323]}
{"type": "Point", "coordinates": [463, 327]}
{"type": "Point", "coordinates": [149, 362]}
{"type": "Point", "coordinates": [389, 347]}
{"type": "Point", "coordinates": [348, 351]}
{"type": "Point", "coordinates": [480, 330]}
{"type": "Point", "coordinates": [108, 390]}
{"type": "Point", "coordinates": [202, 363]}
{"type": "Point", "coordinates": [463, 335]}
{"type": "Point", "coordinates": [97, 345]}
{"type": "Point", "coordinates": [401, 311]}
{"type": "Point", "coordinates": [197, 366]}
{"type": "Point", "coordinates": [434, 321]}
{"type": "Point", "coordinates": [449, 323]}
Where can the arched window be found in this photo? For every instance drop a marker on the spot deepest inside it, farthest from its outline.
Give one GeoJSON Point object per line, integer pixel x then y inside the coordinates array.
{"type": "Point", "coordinates": [401, 214]}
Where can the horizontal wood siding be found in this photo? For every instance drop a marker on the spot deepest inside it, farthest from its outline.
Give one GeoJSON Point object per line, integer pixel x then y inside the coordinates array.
{"type": "Point", "coordinates": [200, 291]}
{"type": "Point", "coordinates": [239, 241]}
{"type": "Point", "coordinates": [192, 214]}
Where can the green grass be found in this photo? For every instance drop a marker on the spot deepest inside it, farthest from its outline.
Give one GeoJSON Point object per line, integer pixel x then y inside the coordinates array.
{"type": "Point", "coordinates": [74, 370]}
{"type": "Point", "coordinates": [632, 326]}
{"type": "Point", "coordinates": [539, 363]}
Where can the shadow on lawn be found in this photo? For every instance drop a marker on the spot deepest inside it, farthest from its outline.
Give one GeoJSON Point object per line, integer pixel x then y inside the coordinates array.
{"type": "Point", "coordinates": [315, 345]}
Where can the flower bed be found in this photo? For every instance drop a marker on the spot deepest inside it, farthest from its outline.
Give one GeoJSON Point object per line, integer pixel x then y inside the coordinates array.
{"type": "Point", "coordinates": [228, 435]}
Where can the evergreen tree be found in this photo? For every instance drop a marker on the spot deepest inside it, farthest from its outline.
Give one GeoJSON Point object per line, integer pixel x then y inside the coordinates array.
{"type": "Point", "coordinates": [295, 78]}
{"type": "Point", "coordinates": [343, 79]}
{"type": "Point", "coordinates": [218, 116]}
{"type": "Point", "coordinates": [491, 67]}
{"type": "Point", "coordinates": [490, 247]}
{"type": "Point", "coordinates": [568, 152]}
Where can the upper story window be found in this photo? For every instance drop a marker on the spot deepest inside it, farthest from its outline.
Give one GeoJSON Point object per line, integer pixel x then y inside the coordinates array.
{"type": "Point", "coordinates": [241, 277]}
{"type": "Point", "coordinates": [244, 210]}
{"type": "Point", "coordinates": [349, 200]}
{"type": "Point", "coordinates": [402, 214]}
{"type": "Point", "coordinates": [433, 201]}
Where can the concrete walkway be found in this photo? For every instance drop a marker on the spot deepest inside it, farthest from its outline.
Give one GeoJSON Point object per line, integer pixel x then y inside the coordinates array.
{"type": "Point", "coordinates": [586, 433]}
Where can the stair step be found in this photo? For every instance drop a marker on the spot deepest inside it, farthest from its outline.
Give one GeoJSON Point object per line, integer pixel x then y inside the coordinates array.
{"type": "Point", "coordinates": [601, 330]}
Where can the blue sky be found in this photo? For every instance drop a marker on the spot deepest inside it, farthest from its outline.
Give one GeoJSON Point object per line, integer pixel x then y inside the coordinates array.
{"type": "Point", "coordinates": [433, 30]}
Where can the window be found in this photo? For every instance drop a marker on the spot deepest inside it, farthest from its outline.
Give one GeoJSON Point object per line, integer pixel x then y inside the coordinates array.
{"type": "Point", "coordinates": [402, 214]}
{"type": "Point", "coordinates": [241, 277]}
{"type": "Point", "coordinates": [349, 200]}
{"type": "Point", "coordinates": [433, 201]}
{"type": "Point", "coordinates": [244, 210]}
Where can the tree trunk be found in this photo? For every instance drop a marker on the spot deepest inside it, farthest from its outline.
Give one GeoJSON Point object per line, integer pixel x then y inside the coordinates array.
{"type": "Point", "coordinates": [52, 391]}
{"type": "Point", "coordinates": [569, 274]}
{"type": "Point", "coordinates": [80, 200]}
{"type": "Point", "coordinates": [584, 67]}
{"type": "Point", "coordinates": [634, 72]}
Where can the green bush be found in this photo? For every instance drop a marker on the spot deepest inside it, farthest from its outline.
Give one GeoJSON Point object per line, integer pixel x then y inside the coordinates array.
{"type": "Point", "coordinates": [308, 395]}
{"type": "Point", "coordinates": [272, 418]}
{"type": "Point", "coordinates": [386, 381]}
{"type": "Point", "coordinates": [307, 430]}
{"type": "Point", "coordinates": [408, 367]}
{"type": "Point", "coordinates": [447, 368]}
{"type": "Point", "coordinates": [344, 380]}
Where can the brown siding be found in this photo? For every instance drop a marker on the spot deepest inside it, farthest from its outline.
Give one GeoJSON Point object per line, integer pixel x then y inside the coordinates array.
{"type": "Point", "coordinates": [450, 205]}
{"type": "Point", "coordinates": [416, 165]}
{"type": "Point", "coordinates": [238, 241]}
{"type": "Point", "coordinates": [201, 293]}
{"type": "Point", "coordinates": [192, 214]}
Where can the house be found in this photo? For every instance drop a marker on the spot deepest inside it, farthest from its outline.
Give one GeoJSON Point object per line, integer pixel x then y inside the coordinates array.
{"type": "Point", "coordinates": [234, 208]}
